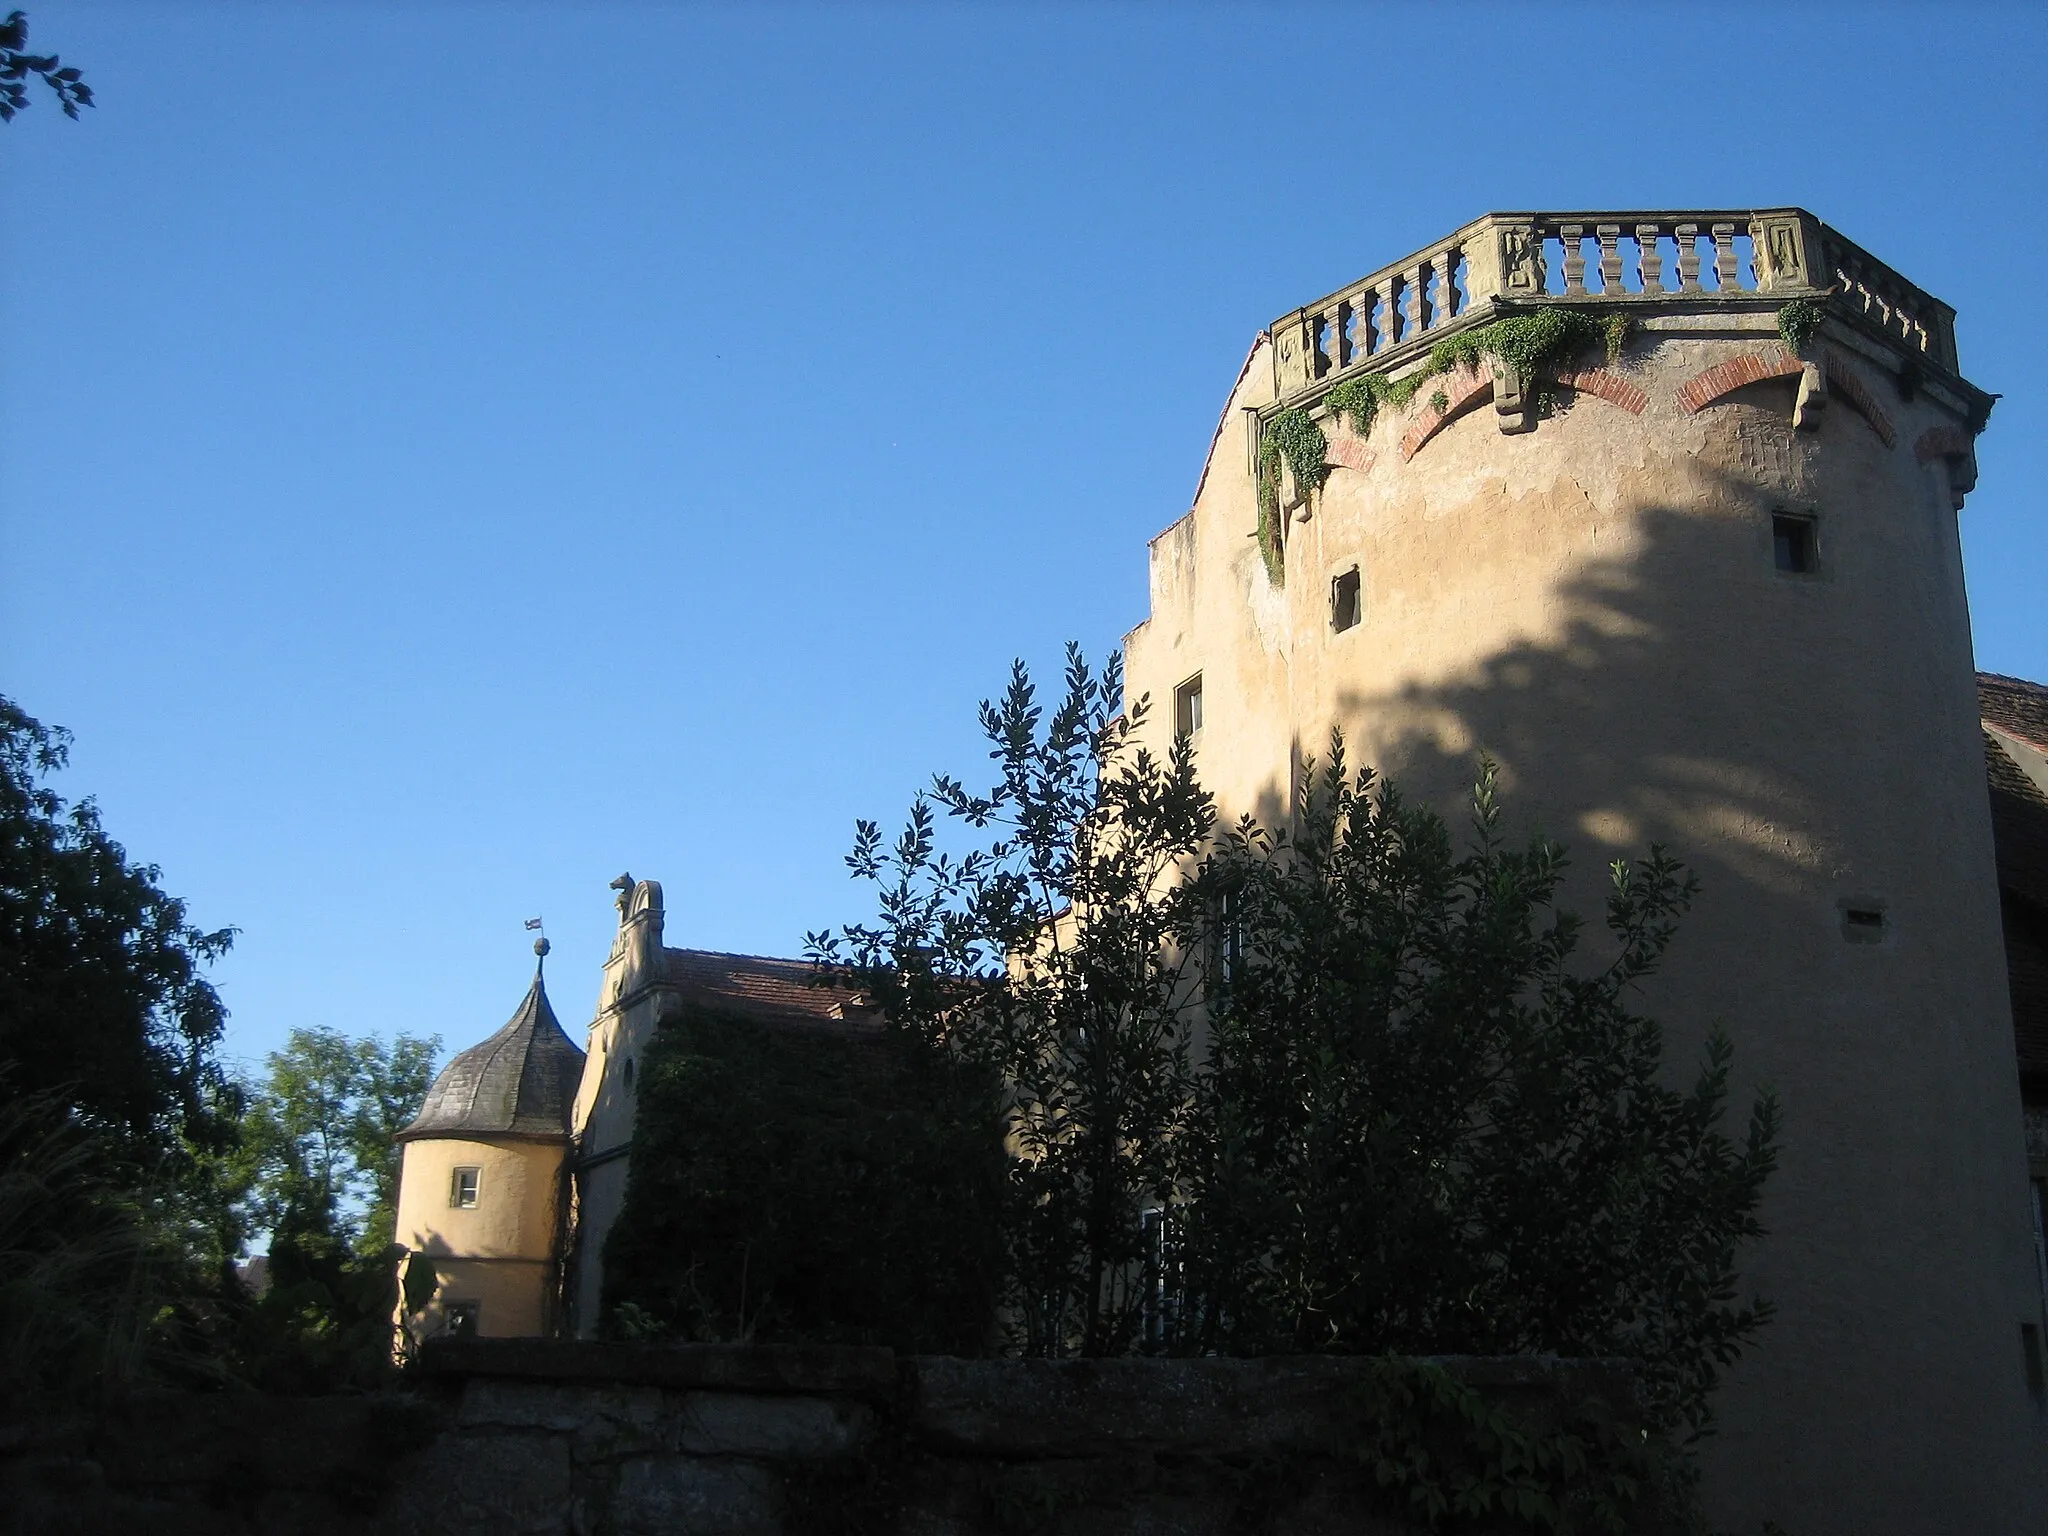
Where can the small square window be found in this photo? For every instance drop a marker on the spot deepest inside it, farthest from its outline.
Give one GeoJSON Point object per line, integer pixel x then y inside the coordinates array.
{"type": "Point", "coordinates": [1793, 543]}
{"type": "Point", "coordinates": [1863, 919]}
{"type": "Point", "coordinates": [1187, 707]}
{"type": "Point", "coordinates": [1345, 603]}
{"type": "Point", "coordinates": [463, 1317]}
{"type": "Point", "coordinates": [462, 1189]}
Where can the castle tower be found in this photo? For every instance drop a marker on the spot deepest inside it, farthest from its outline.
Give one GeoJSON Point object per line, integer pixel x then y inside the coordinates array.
{"type": "Point", "coordinates": [1705, 591]}
{"type": "Point", "coordinates": [483, 1189]}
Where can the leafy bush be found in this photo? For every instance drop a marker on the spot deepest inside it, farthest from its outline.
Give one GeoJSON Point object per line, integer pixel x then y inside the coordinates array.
{"type": "Point", "coordinates": [1051, 958]}
{"type": "Point", "coordinates": [797, 1183]}
{"type": "Point", "coordinates": [1339, 1088]}
{"type": "Point", "coordinates": [1426, 1126]}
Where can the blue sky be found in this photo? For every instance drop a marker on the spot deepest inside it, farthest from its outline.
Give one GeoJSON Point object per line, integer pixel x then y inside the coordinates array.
{"type": "Point", "coordinates": [452, 454]}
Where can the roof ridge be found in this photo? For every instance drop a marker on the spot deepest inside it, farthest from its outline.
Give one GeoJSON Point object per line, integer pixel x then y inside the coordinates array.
{"type": "Point", "coordinates": [727, 954]}
{"type": "Point", "coordinates": [2022, 682]}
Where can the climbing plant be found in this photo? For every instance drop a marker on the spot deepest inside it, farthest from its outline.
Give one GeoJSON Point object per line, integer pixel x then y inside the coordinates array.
{"type": "Point", "coordinates": [1797, 321]}
{"type": "Point", "coordinates": [1522, 343]}
{"type": "Point", "coordinates": [1294, 441]}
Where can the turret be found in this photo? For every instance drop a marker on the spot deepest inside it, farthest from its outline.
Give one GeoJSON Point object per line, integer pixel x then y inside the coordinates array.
{"type": "Point", "coordinates": [1658, 509]}
{"type": "Point", "coordinates": [483, 1192]}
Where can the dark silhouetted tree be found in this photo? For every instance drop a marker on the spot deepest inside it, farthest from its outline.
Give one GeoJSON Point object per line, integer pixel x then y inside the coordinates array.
{"type": "Point", "coordinates": [18, 66]}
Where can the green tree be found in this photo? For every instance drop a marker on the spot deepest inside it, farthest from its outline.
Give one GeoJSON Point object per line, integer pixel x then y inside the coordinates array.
{"type": "Point", "coordinates": [104, 1007]}
{"type": "Point", "coordinates": [1426, 1125]}
{"type": "Point", "coordinates": [1049, 955]}
{"type": "Point", "coordinates": [18, 65]}
{"type": "Point", "coordinates": [318, 1172]}
{"type": "Point", "coordinates": [319, 1133]}
{"type": "Point", "coordinates": [120, 1122]}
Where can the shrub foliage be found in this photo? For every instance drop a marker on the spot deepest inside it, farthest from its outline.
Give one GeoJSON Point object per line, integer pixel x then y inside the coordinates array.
{"type": "Point", "coordinates": [795, 1183]}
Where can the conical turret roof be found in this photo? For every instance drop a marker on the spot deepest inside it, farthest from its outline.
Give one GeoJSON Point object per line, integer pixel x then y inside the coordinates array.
{"type": "Point", "coordinates": [519, 1083]}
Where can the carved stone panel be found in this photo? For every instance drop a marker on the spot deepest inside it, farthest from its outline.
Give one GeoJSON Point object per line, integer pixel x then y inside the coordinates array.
{"type": "Point", "coordinates": [1521, 261]}
{"type": "Point", "coordinates": [1291, 354]}
{"type": "Point", "coordinates": [1781, 257]}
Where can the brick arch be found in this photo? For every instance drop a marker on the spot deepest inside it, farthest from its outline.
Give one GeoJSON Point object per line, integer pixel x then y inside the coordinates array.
{"type": "Point", "coordinates": [1611, 387]}
{"type": "Point", "coordinates": [1463, 390]}
{"type": "Point", "coordinates": [1470, 389]}
{"type": "Point", "coordinates": [1711, 384]}
{"type": "Point", "coordinates": [1943, 442]}
{"type": "Point", "coordinates": [1847, 382]}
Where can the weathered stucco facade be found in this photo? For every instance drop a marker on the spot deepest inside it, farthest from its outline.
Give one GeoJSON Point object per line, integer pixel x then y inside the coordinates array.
{"type": "Point", "coordinates": [1592, 595]}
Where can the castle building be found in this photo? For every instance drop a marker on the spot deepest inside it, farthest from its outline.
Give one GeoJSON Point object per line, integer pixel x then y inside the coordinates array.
{"type": "Point", "coordinates": [1695, 580]}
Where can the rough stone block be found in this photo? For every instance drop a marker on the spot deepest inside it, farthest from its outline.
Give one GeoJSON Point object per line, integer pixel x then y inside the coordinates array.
{"type": "Point", "coordinates": [484, 1485]}
{"type": "Point", "coordinates": [824, 1368]}
{"type": "Point", "coordinates": [667, 1495]}
{"type": "Point", "coordinates": [604, 1421]}
{"type": "Point", "coordinates": [800, 1428]}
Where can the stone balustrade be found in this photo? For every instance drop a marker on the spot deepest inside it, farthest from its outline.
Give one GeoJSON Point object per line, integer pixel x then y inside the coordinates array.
{"type": "Point", "coordinates": [1746, 258]}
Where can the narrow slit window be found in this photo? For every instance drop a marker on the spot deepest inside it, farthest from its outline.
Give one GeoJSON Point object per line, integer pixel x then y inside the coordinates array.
{"type": "Point", "coordinates": [1345, 601]}
{"type": "Point", "coordinates": [1187, 707]}
{"type": "Point", "coordinates": [1863, 920]}
{"type": "Point", "coordinates": [462, 1187]}
{"type": "Point", "coordinates": [1793, 543]}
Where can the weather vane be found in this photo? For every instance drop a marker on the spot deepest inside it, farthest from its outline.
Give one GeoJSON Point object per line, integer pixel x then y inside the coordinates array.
{"type": "Point", "coordinates": [540, 945]}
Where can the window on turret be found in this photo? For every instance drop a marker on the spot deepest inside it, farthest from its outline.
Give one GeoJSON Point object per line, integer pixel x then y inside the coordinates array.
{"type": "Point", "coordinates": [1346, 603]}
{"type": "Point", "coordinates": [462, 1188]}
{"type": "Point", "coordinates": [1187, 707]}
{"type": "Point", "coordinates": [1793, 542]}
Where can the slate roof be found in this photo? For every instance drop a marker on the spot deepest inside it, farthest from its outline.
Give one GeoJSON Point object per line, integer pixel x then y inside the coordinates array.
{"type": "Point", "coordinates": [519, 1084]}
{"type": "Point", "coordinates": [761, 987]}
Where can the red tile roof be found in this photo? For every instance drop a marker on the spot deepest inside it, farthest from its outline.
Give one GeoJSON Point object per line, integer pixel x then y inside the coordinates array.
{"type": "Point", "coordinates": [2019, 831]}
{"type": "Point", "coordinates": [2015, 706]}
{"type": "Point", "coordinates": [764, 987]}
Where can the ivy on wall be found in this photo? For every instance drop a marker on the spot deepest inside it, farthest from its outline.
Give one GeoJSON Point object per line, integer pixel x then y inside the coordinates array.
{"type": "Point", "coordinates": [1797, 321]}
{"type": "Point", "coordinates": [1522, 344]}
{"type": "Point", "coordinates": [797, 1183]}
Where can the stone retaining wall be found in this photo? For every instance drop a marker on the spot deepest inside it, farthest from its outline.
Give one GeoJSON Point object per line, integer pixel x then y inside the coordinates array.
{"type": "Point", "coordinates": [532, 1438]}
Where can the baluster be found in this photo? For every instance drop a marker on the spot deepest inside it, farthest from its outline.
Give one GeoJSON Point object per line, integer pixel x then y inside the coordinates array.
{"type": "Point", "coordinates": [1726, 275]}
{"type": "Point", "coordinates": [1415, 278]}
{"type": "Point", "coordinates": [1688, 258]}
{"type": "Point", "coordinates": [1652, 259]}
{"type": "Point", "coordinates": [1609, 236]}
{"type": "Point", "coordinates": [1574, 259]}
{"type": "Point", "coordinates": [1390, 312]}
{"type": "Point", "coordinates": [1342, 349]}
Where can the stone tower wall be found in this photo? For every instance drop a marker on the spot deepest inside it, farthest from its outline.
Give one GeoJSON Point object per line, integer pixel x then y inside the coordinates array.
{"type": "Point", "coordinates": [1589, 594]}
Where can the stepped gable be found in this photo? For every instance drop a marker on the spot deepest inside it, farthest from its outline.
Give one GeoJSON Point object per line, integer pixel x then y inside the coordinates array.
{"type": "Point", "coordinates": [762, 987]}
{"type": "Point", "coordinates": [520, 1084]}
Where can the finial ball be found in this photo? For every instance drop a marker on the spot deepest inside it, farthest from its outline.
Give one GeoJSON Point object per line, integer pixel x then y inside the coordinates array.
{"type": "Point", "coordinates": [540, 946]}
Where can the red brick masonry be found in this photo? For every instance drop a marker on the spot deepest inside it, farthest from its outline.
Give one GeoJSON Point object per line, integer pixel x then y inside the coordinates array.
{"type": "Point", "coordinates": [1703, 389]}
